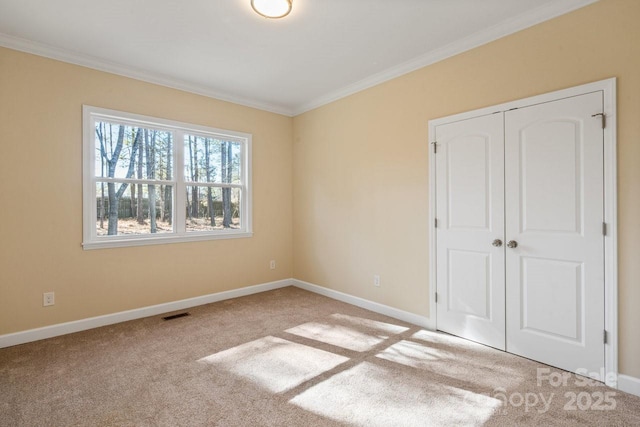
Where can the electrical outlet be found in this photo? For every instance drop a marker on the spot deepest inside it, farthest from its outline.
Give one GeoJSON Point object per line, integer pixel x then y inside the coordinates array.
{"type": "Point", "coordinates": [48, 298]}
{"type": "Point", "coordinates": [272, 264]}
{"type": "Point", "coordinates": [376, 280]}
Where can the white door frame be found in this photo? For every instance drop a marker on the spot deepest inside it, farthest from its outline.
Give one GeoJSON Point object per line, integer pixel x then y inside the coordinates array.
{"type": "Point", "coordinates": [608, 87]}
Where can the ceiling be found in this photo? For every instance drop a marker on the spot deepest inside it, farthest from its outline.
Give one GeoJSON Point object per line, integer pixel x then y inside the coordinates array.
{"type": "Point", "coordinates": [322, 51]}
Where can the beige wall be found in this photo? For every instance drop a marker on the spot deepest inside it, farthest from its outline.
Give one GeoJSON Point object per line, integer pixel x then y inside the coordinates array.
{"type": "Point", "coordinates": [360, 164]}
{"type": "Point", "coordinates": [41, 192]}
{"type": "Point", "coordinates": [359, 186]}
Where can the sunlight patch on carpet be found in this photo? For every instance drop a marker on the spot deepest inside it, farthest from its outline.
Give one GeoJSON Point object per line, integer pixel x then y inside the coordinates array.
{"type": "Point", "coordinates": [442, 338]}
{"type": "Point", "coordinates": [370, 395]}
{"type": "Point", "coordinates": [338, 335]}
{"type": "Point", "coordinates": [275, 364]}
{"type": "Point", "coordinates": [371, 324]}
{"type": "Point", "coordinates": [413, 354]}
{"type": "Point", "coordinates": [467, 360]}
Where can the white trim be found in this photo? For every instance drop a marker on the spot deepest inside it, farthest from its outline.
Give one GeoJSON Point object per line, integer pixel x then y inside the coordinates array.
{"type": "Point", "coordinates": [47, 51]}
{"type": "Point", "coordinates": [386, 310]}
{"type": "Point", "coordinates": [31, 335]}
{"type": "Point", "coordinates": [629, 384]}
{"type": "Point", "coordinates": [611, 240]}
{"type": "Point", "coordinates": [543, 13]}
{"type": "Point", "coordinates": [9, 340]}
{"type": "Point", "coordinates": [608, 87]}
{"type": "Point", "coordinates": [432, 225]}
{"type": "Point", "coordinates": [162, 239]}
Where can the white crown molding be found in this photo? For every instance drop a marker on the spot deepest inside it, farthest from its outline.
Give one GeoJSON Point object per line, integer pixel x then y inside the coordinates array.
{"type": "Point", "coordinates": [543, 13]}
{"type": "Point", "coordinates": [510, 26]}
{"type": "Point", "coordinates": [40, 49]}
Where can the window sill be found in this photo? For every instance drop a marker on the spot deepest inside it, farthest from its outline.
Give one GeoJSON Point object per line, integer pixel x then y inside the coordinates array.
{"type": "Point", "coordinates": [162, 240]}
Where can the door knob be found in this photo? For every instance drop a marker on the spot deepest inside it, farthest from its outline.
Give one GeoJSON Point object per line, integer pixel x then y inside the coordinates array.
{"type": "Point", "coordinates": [497, 243]}
{"type": "Point", "coordinates": [512, 244]}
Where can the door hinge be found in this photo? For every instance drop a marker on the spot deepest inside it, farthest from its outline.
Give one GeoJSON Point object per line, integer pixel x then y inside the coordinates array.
{"type": "Point", "coordinates": [604, 228]}
{"type": "Point", "coordinates": [436, 297]}
{"type": "Point", "coordinates": [604, 336]}
{"type": "Point", "coordinates": [603, 117]}
{"type": "Point", "coordinates": [435, 146]}
{"type": "Point", "coordinates": [435, 222]}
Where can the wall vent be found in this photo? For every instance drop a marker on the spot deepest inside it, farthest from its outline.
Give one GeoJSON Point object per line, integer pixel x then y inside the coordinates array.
{"type": "Point", "coordinates": [175, 316]}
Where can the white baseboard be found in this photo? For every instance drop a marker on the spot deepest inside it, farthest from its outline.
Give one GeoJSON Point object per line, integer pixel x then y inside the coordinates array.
{"type": "Point", "coordinates": [30, 335]}
{"type": "Point", "coordinates": [405, 316]}
{"type": "Point", "coordinates": [629, 384]}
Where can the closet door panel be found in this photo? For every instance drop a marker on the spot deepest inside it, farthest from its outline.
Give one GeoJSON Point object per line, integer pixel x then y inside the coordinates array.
{"type": "Point", "coordinates": [554, 211]}
{"type": "Point", "coordinates": [470, 207]}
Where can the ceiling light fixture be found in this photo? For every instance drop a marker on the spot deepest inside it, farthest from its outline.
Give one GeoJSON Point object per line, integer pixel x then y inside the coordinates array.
{"type": "Point", "coordinates": [272, 8]}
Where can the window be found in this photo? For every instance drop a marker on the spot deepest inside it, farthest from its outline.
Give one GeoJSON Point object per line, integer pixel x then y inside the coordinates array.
{"type": "Point", "coordinates": [151, 181]}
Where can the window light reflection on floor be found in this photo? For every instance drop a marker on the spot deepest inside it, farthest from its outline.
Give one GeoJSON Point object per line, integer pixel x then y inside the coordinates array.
{"type": "Point", "coordinates": [338, 335]}
{"type": "Point", "coordinates": [275, 364]}
{"type": "Point", "coordinates": [413, 354]}
{"type": "Point", "coordinates": [370, 395]}
{"type": "Point", "coordinates": [370, 324]}
{"type": "Point", "coordinates": [432, 337]}
{"type": "Point", "coordinates": [469, 359]}
{"type": "Point", "coordinates": [367, 391]}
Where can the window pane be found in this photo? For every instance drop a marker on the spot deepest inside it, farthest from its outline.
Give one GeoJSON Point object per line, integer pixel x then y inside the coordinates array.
{"type": "Point", "coordinates": [211, 160]}
{"type": "Point", "coordinates": [213, 208]}
{"type": "Point", "coordinates": [133, 209]}
{"type": "Point", "coordinates": [124, 151]}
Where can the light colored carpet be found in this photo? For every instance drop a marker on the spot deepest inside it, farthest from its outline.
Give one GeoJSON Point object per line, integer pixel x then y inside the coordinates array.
{"type": "Point", "coordinates": [289, 358]}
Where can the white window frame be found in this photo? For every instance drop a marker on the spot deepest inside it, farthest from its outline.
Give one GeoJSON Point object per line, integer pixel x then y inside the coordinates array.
{"type": "Point", "coordinates": [90, 238]}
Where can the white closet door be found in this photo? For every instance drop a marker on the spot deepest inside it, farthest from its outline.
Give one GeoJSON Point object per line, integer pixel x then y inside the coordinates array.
{"type": "Point", "coordinates": [554, 211]}
{"type": "Point", "coordinates": [470, 214]}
